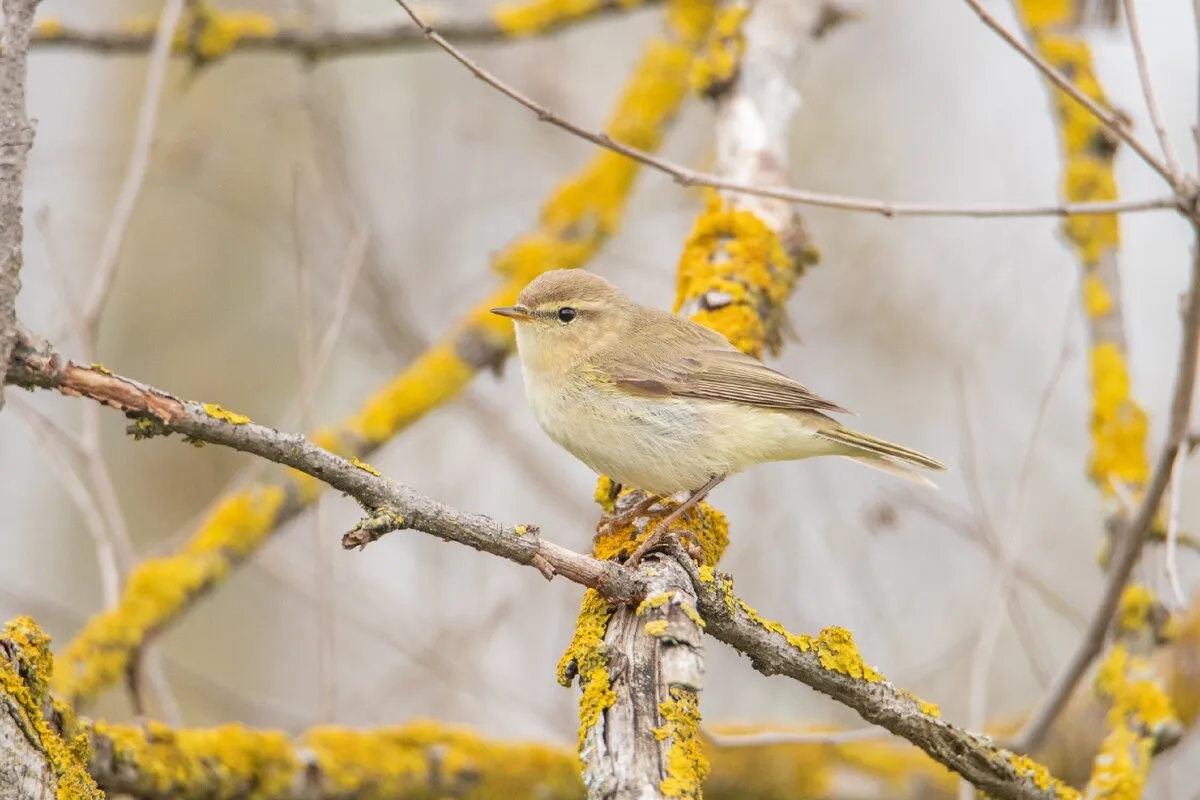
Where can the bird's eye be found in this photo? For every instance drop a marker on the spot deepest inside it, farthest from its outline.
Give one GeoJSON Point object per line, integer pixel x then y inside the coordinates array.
{"type": "Point", "coordinates": [566, 314]}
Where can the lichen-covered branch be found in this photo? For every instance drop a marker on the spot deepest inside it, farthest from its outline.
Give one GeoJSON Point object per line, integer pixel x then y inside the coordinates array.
{"type": "Point", "coordinates": [641, 675]}
{"type": "Point", "coordinates": [577, 219]}
{"type": "Point", "coordinates": [36, 761]}
{"type": "Point", "coordinates": [828, 663]}
{"type": "Point", "coordinates": [211, 32]}
{"type": "Point", "coordinates": [16, 138]}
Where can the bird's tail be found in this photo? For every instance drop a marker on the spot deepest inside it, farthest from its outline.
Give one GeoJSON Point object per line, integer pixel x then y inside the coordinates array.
{"type": "Point", "coordinates": [882, 455]}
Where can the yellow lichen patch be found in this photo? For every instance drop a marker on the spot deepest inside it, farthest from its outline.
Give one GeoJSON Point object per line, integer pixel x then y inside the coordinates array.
{"type": "Point", "coordinates": [1133, 611]}
{"type": "Point", "coordinates": [233, 418]}
{"type": "Point", "coordinates": [364, 466]}
{"type": "Point", "coordinates": [717, 67]}
{"type": "Point", "coordinates": [537, 16]}
{"type": "Point", "coordinates": [1136, 698]}
{"type": "Point", "coordinates": [1121, 766]}
{"type": "Point", "coordinates": [927, 708]}
{"type": "Point", "coordinates": [686, 764]}
{"type": "Point", "coordinates": [836, 649]}
{"type": "Point", "coordinates": [103, 370]}
{"type": "Point", "coordinates": [586, 657]}
{"type": "Point", "coordinates": [737, 271]}
{"type": "Point", "coordinates": [656, 627]}
{"type": "Point", "coordinates": [1096, 299]}
{"type": "Point", "coordinates": [47, 28]}
{"type": "Point", "coordinates": [1040, 14]}
{"type": "Point", "coordinates": [802, 642]}
{"type": "Point", "coordinates": [210, 32]}
{"type": "Point", "coordinates": [1119, 425]}
{"type": "Point", "coordinates": [23, 681]}
{"type": "Point", "coordinates": [1040, 776]}
{"type": "Point", "coordinates": [159, 588]}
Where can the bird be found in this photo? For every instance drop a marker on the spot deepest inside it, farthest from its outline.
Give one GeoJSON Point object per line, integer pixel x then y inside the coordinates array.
{"type": "Point", "coordinates": [665, 405]}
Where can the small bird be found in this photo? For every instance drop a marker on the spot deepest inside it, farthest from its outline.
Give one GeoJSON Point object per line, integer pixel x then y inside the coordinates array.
{"type": "Point", "coordinates": [662, 404]}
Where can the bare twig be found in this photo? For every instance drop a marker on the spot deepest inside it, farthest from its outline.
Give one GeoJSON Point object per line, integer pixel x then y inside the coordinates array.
{"type": "Point", "coordinates": [689, 177]}
{"type": "Point", "coordinates": [1108, 118]}
{"type": "Point", "coordinates": [16, 137]}
{"type": "Point", "coordinates": [1143, 69]}
{"type": "Point", "coordinates": [1172, 544]}
{"type": "Point", "coordinates": [135, 174]}
{"type": "Point", "coordinates": [394, 506]}
{"type": "Point", "coordinates": [1132, 536]}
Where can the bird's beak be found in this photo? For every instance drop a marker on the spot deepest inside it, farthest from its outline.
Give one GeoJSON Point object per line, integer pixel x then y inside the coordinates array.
{"type": "Point", "coordinates": [513, 312]}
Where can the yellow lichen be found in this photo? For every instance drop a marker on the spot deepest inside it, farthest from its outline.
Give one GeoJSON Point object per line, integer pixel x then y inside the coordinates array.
{"type": "Point", "coordinates": [1040, 776]}
{"type": "Point", "coordinates": [656, 627]}
{"type": "Point", "coordinates": [1133, 611]}
{"type": "Point", "coordinates": [1119, 425]}
{"type": "Point", "coordinates": [1096, 298]}
{"type": "Point", "coordinates": [1121, 767]}
{"type": "Point", "coordinates": [686, 764]}
{"type": "Point", "coordinates": [213, 32]}
{"type": "Point", "coordinates": [538, 16]}
{"type": "Point", "coordinates": [216, 412]}
{"type": "Point", "coordinates": [1129, 682]}
{"type": "Point", "coordinates": [47, 28]}
{"type": "Point", "coordinates": [24, 680]}
{"type": "Point", "coordinates": [103, 370]}
{"type": "Point", "coordinates": [836, 649]}
{"type": "Point", "coordinates": [365, 467]}
{"type": "Point", "coordinates": [715, 70]}
{"type": "Point", "coordinates": [586, 657]}
{"type": "Point", "coordinates": [739, 267]}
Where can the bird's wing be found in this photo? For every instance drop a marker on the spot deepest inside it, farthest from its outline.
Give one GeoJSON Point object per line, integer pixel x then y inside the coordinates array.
{"type": "Point", "coordinates": [713, 369]}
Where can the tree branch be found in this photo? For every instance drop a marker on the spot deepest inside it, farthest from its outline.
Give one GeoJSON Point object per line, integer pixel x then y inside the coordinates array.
{"type": "Point", "coordinates": [690, 177]}
{"type": "Point", "coordinates": [16, 138]}
{"type": "Point", "coordinates": [212, 33]}
{"type": "Point", "coordinates": [828, 663]}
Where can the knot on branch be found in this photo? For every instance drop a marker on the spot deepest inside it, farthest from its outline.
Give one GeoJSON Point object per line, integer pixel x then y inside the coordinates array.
{"type": "Point", "coordinates": [381, 521]}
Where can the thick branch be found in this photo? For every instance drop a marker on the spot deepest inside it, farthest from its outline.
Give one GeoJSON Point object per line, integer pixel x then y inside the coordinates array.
{"type": "Point", "coordinates": [16, 137]}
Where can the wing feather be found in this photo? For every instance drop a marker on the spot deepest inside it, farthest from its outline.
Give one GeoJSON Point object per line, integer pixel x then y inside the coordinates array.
{"type": "Point", "coordinates": [700, 363]}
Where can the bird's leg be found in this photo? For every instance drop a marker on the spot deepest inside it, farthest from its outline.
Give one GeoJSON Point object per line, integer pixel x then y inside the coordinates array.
{"type": "Point", "coordinates": [642, 507]}
{"type": "Point", "coordinates": [661, 530]}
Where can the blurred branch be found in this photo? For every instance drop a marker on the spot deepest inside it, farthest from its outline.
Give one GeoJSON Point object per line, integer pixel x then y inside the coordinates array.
{"type": "Point", "coordinates": [689, 177]}
{"type": "Point", "coordinates": [1119, 425]}
{"type": "Point", "coordinates": [16, 138]}
{"type": "Point", "coordinates": [829, 663]}
{"type": "Point", "coordinates": [581, 214]}
{"type": "Point", "coordinates": [37, 762]}
{"type": "Point", "coordinates": [211, 32]}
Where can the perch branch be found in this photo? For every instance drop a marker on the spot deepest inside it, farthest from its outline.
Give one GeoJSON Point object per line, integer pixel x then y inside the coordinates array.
{"type": "Point", "coordinates": [828, 663]}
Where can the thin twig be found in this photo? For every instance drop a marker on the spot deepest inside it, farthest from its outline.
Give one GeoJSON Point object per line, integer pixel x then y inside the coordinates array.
{"type": "Point", "coordinates": [1156, 119]}
{"type": "Point", "coordinates": [139, 164]}
{"type": "Point", "coordinates": [689, 177]}
{"type": "Point", "coordinates": [1171, 557]}
{"type": "Point", "coordinates": [1109, 119]}
{"type": "Point", "coordinates": [1132, 536]}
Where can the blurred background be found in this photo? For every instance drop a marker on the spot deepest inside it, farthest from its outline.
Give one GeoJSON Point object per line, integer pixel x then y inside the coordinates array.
{"type": "Point", "coordinates": [948, 335]}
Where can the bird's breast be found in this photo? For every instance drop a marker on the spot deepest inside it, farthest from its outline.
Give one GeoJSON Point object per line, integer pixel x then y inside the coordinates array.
{"type": "Point", "coordinates": [659, 445]}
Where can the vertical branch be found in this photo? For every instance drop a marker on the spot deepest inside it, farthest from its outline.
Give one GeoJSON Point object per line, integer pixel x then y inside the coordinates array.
{"type": "Point", "coordinates": [16, 137]}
